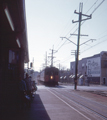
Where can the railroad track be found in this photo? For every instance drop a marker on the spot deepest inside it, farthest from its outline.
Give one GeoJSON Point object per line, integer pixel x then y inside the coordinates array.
{"type": "Point", "coordinates": [79, 103]}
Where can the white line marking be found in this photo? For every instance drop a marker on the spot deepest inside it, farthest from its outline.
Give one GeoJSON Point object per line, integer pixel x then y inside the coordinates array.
{"type": "Point", "coordinates": [70, 105]}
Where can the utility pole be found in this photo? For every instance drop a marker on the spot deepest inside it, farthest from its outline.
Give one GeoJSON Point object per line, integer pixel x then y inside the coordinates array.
{"type": "Point", "coordinates": [78, 40]}
{"type": "Point", "coordinates": [53, 51]}
{"type": "Point", "coordinates": [74, 52]}
{"type": "Point", "coordinates": [46, 60]}
{"type": "Point", "coordinates": [52, 59]}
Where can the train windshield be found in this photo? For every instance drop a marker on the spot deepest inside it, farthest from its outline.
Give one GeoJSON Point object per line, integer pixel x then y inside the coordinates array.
{"type": "Point", "coordinates": [51, 72]}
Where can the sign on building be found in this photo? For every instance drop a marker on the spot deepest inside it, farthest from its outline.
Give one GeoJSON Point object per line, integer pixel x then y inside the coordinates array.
{"type": "Point", "coordinates": [93, 67]}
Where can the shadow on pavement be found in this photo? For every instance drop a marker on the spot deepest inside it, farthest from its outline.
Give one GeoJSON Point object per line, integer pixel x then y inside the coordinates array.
{"type": "Point", "coordinates": [37, 111]}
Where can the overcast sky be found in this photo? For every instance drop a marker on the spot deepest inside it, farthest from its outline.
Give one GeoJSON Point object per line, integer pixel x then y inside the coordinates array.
{"type": "Point", "coordinates": [48, 20]}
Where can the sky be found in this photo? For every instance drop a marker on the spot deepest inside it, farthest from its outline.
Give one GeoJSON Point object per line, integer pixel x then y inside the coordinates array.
{"type": "Point", "coordinates": [50, 20]}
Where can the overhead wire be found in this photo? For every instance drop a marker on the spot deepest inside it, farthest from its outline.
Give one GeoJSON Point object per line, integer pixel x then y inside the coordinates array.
{"type": "Point", "coordinates": [65, 29]}
{"type": "Point", "coordinates": [70, 31]}
{"type": "Point", "coordinates": [92, 6]}
{"type": "Point", "coordinates": [86, 13]}
{"type": "Point", "coordinates": [81, 23]}
{"type": "Point", "coordinates": [98, 39]}
{"type": "Point", "coordinates": [94, 45]}
{"type": "Point", "coordinates": [77, 29]}
{"type": "Point", "coordinates": [76, 25]}
{"type": "Point", "coordinates": [86, 49]}
{"type": "Point", "coordinates": [97, 7]}
{"type": "Point", "coordinates": [94, 9]}
{"type": "Point", "coordinates": [91, 13]}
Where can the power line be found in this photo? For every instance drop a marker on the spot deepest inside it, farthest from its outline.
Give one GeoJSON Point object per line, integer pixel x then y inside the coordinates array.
{"type": "Point", "coordinates": [61, 45]}
{"type": "Point", "coordinates": [92, 12]}
{"type": "Point", "coordinates": [92, 6]}
{"type": "Point", "coordinates": [97, 7]}
{"type": "Point", "coordinates": [94, 45]}
{"type": "Point", "coordinates": [66, 35]}
{"type": "Point", "coordinates": [83, 22]}
{"type": "Point", "coordinates": [84, 51]}
{"type": "Point", "coordinates": [69, 57]}
{"type": "Point", "coordinates": [66, 27]}
{"type": "Point", "coordinates": [70, 29]}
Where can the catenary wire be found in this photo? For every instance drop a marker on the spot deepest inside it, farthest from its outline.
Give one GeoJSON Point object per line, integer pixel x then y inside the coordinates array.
{"type": "Point", "coordinates": [84, 21]}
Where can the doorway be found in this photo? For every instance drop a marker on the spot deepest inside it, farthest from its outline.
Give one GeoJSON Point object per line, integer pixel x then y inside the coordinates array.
{"type": "Point", "coordinates": [104, 81]}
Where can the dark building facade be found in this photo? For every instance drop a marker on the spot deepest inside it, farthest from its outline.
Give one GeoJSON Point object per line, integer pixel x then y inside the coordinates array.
{"type": "Point", "coordinates": [13, 51]}
{"type": "Point", "coordinates": [94, 68]}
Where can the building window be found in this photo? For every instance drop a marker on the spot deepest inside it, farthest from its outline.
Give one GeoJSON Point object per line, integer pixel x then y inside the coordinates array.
{"type": "Point", "coordinates": [83, 65]}
{"type": "Point", "coordinates": [13, 57]}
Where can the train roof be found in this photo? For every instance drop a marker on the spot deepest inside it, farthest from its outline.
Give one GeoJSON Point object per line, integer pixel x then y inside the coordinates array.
{"type": "Point", "coordinates": [51, 68]}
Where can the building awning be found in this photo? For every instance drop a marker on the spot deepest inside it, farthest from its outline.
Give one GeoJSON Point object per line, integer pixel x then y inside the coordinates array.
{"type": "Point", "coordinates": [73, 76]}
{"type": "Point", "coordinates": [13, 28]}
{"type": "Point", "coordinates": [61, 77]}
{"type": "Point", "coordinates": [70, 76]}
{"type": "Point", "coordinates": [81, 76]}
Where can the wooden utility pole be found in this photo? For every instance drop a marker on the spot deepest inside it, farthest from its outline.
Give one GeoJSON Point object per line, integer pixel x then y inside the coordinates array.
{"type": "Point", "coordinates": [78, 40]}
{"type": "Point", "coordinates": [52, 57]}
{"type": "Point", "coordinates": [46, 60]}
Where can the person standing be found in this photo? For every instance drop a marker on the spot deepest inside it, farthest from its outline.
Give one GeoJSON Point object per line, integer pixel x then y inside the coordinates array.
{"type": "Point", "coordinates": [28, 84]}
{"type": "Point", "coordinates": [22, 91]}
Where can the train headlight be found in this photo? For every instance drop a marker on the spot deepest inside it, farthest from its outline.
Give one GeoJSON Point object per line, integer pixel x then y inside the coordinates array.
{"type": "Point", "coordinates": [51, 77]}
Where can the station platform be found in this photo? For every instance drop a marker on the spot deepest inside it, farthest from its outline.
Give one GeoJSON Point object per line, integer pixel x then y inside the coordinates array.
{"type": "Point", "coordinates": [37, 111]}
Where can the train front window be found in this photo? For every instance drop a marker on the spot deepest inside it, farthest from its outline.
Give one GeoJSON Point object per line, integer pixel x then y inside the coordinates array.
{"type": "Point", "coordinates": [56, 73]}
{"type": "Point", "coordinates": [47, 73]}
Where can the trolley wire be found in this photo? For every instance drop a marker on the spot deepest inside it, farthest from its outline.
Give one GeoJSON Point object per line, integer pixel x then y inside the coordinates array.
{"type": "Point", "coordinates": [66, 59]}
{"type": "Point", "coordinates": [83, 21]}
{"type": "Point", "coordinates": [82, 24]}
{"type": "Point", "coordinates": [97, 7]}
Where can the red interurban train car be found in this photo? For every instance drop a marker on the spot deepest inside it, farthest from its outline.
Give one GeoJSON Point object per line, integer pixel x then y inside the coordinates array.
{"type": "Point", "coordinates": [50, 76]}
